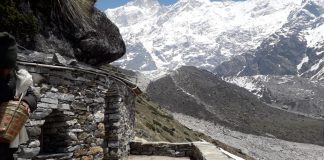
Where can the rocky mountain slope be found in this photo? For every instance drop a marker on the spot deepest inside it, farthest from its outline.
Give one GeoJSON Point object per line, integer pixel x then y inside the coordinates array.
{"type": "Point", "coordinates": [291, 93]}
{"type": "Point", "coordinates": [212, 99]}
{"type": "Point", "coordinates": [295, 49]}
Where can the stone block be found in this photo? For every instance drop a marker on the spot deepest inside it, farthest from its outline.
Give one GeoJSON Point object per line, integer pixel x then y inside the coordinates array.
{"type": "Point", "coordinates": [99, 134]}
{"type": "Point", "coordinates": [69, 113]}
{"type": "Point", "coordinates": [114, 117]}
{"type": "Point", "coordinates": [41, 113]}
{"type": "Point", "coordinates": [73, 136]}
{"type": "Point", "coordinates": [34, 131]}
{"type": "Point", "coordinates": [49, 100]}
{"type": "Point", "coordinates": [35, 123]}
{"type": "Point", "coordinates": [64, 107]}
{"type": "Point", "coordinates": [114, 99]}
{"type": "Point", "coordinates": [99, 116]}
{"type": "Point", "coordinates": [83, 136]}
{"type": "Point", "coordinates": [47, 105]}
{"type": "Point", "coordinates": [29, 152]}
{"type": "Point", "coordinates": [96, 150]}
{"type": "Point", "coordinates": [72, 122]}
{"type": "Point", "coordinates": [101, 127]}
{"type": "Point", "coordinates": [76, 130]}
{"type": "Point", "coordinates": [113, 144]}
{"type": "Point", "coordinates": [34, 144]}
{"type": "Point", "coordinates": [87, 158]}
{"type": "Point", "coordinates": [80, 152]}
{"type": "Point", "coordinates": [61, 96]}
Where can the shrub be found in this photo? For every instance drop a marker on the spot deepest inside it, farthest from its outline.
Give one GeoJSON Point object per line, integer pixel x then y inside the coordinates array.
{"type": "Point", "coordinates": [13, 20]}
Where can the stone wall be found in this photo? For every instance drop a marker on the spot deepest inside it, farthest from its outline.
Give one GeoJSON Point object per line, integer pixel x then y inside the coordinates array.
{"type": "Point", "coordinates": [80, 115]}
{"type": "Point", "coordinates": [121, 121]}
{"type": "Point", "coordinates": [193, 150]}
{"type": "Point", "coordinates": [162, 149]}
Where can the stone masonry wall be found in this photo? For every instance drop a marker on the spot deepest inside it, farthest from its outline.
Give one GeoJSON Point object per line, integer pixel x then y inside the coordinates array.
{"type": "Point", "coordinates": [192, 150]}
{"type": "Point", "coordinates": [121, 121]}
{"type": "Point", "coordinates": [162, 149]}
{"type": "Point", "coordinates": [80, 115]}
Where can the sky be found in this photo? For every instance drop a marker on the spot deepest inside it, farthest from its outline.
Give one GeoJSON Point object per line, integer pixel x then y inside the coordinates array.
{"type": "Point", "coordinates": [105, 4]}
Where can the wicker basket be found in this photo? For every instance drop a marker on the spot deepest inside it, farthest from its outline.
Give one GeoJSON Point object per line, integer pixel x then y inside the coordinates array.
{"type": "Point", "coordinates": [12, 119]}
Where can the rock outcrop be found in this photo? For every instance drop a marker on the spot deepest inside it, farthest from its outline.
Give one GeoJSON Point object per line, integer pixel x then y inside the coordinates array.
{"type": "Point", "coordinates": [75, 29]}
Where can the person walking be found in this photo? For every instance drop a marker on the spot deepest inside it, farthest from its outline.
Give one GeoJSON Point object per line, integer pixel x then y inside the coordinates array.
{"type": "Point", "coordinates": [8, 87]}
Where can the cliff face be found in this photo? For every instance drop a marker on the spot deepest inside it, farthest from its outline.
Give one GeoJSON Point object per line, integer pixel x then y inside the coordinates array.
{"type": "Point", "coordinates": [75, 29]}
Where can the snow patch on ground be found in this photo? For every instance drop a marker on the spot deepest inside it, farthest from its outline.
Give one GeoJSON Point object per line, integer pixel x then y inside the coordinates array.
{"type": "Point", "coordinates": [247, 83]}
{"type": "Point", "coordinates": [314, 36]}
{"type": "Point", "coordinates": [304, 60]}
{"type": "Point", "coordinates": [317, 65]}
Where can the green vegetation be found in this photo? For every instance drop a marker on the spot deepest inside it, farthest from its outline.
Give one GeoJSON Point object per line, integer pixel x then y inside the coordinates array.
{"type": "Point", "coordinates": [155, 124]}
{"type": "Point", "coordinates": [18, 19]}
{"type": "Point", "coordinates": [13, 20]}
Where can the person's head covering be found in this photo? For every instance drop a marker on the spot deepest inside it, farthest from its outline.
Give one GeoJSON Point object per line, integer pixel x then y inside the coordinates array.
{"type": "Point", "coordinates": [8, 50]}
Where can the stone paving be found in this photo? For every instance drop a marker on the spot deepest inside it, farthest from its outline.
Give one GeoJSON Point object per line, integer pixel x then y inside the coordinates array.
{"type": "Point", "coordinates": [156, 158]}
{"type": "Point", "coordinates": [210, 152]}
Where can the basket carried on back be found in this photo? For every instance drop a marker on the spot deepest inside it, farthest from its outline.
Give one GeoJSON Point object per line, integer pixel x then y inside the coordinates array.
{"type": "Point", "coordinates": [12, 119]}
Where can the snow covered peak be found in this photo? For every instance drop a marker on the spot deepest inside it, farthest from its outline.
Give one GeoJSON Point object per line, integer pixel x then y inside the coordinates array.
{"type": "Point", "coordinates": [315, 7]}
{"type": "Point", "coordinates": [145, 3]}
{"type": "Point", "coordinates": [194, 2]}
{"type": "Point", "coordinates": [315, 36]}
{"type": "Point", "coordinates": [200, 33]}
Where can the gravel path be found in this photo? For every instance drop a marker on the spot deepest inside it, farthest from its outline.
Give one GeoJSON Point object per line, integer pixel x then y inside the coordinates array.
{"type": "Point", "coordinates": [259, 147]}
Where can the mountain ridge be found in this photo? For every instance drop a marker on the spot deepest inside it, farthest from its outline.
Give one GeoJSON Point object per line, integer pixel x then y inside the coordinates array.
{"type": "Point", "coordinates": [227, 104]}
{"type": "Point", "coordinates": [214, 33]}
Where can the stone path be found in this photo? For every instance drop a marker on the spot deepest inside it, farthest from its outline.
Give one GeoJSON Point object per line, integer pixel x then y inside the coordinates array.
{"type": "Point", "coordinates": [210, 151]}
{"type": "Point", "coordinates": [155, 158]}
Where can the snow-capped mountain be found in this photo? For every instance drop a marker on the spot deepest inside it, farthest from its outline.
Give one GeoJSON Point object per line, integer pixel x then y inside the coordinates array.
{"type": "Point", "coordinates": [295, 49]}
{"type": "Point", "coordinates": [291, 93]}
{"type": "Point", "coordinates": [196, 32]}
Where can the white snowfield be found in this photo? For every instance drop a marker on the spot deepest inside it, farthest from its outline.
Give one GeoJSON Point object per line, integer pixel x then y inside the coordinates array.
{"type": "Point", "coordinates": [196, 32]}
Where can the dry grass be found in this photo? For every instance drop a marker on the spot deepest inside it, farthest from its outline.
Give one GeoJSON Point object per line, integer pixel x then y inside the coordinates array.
{"type": "Point", "coordinates": [75, 11]}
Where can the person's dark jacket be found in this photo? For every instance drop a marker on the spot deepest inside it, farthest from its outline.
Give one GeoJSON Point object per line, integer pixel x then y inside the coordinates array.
{"type": "Point", "coordinates": [8, 89]}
